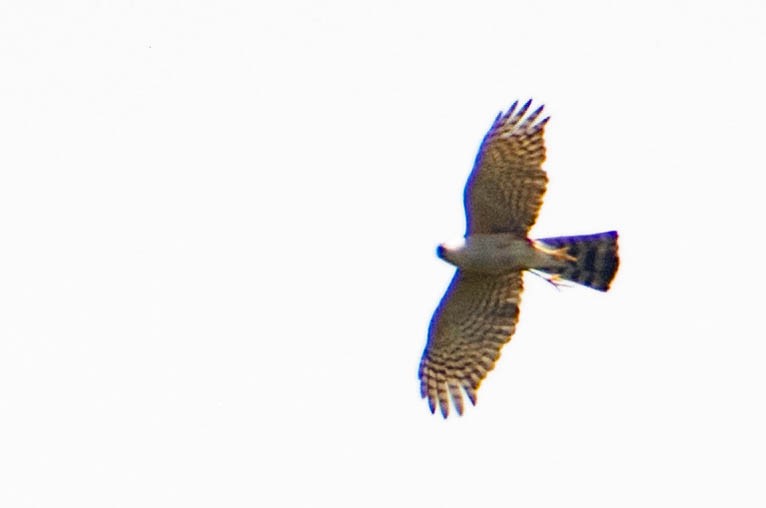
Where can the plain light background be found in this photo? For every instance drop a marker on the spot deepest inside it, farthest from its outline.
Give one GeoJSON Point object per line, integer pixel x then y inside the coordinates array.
{"type": "Point", "coordinates": [217, 234]}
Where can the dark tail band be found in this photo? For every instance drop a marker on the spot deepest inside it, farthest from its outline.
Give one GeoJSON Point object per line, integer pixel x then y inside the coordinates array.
{"type": "Point", "coordinates": [596, 258]}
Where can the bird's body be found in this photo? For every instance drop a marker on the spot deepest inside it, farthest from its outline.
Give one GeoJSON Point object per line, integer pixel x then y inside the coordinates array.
{"type": "Point", "coordinates": [479, 311]}
{"type": "Point", "coordinates": [496, 254]}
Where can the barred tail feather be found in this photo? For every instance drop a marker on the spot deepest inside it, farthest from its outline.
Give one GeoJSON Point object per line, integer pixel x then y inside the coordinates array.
{"type": "Point", "coordinates": [596, 258]}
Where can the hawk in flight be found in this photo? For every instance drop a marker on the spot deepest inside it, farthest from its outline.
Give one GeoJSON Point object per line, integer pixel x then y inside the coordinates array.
{"type": "Point", "coordinates": [478, 313]}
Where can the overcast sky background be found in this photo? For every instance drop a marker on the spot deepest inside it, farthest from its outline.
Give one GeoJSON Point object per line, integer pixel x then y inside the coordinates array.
{"type": "Point", "coordinates": [217, 234]}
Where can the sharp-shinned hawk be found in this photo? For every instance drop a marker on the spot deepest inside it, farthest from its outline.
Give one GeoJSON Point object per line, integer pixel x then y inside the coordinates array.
{"type": "Point", "coordinates": [478, 313]}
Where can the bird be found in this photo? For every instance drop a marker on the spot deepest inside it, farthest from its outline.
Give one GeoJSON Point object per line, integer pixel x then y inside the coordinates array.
{"type": "Point", "coordinates": [478, 313]}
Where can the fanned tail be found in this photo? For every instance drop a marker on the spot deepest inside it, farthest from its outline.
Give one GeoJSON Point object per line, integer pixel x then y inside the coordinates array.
{"type": "Point", "coordinates": [595, 258]}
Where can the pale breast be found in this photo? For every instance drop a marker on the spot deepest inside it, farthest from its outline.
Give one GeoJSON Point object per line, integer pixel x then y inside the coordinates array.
{"type": "Point", "coordinates": [493, 253]}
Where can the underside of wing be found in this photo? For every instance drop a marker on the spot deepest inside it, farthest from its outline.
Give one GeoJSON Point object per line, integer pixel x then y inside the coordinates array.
{"type": "Point", "coordinates": [474, 319]}
{"type": "Point", "coordinates": [507, 183]}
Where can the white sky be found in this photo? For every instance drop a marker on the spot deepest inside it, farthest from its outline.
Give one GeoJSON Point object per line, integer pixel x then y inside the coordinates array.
{"type": "Point", "coordinates": [217, 234]}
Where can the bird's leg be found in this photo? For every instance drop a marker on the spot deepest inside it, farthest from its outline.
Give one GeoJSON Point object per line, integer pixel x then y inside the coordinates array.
{"type": "Point", "coordinates": [559, 254]}
{"type": "Point", "coordinates": [553, 279]}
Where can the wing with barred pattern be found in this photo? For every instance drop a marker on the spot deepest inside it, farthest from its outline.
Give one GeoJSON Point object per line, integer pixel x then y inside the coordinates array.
{"type": "Point", "coordinates": [506, 186]}
{"type": "Point", "coordinates": [474, 319]}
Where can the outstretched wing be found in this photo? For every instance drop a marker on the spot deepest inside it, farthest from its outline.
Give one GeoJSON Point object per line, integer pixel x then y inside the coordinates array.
{"type": "Point", "coordinates": [475, 317]}
{"type": "Point", "coordinates": [507, 183]}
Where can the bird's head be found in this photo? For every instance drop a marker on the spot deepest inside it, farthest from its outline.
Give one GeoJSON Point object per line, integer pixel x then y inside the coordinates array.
{"type": "Point", "coordinates": [448, 250]}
